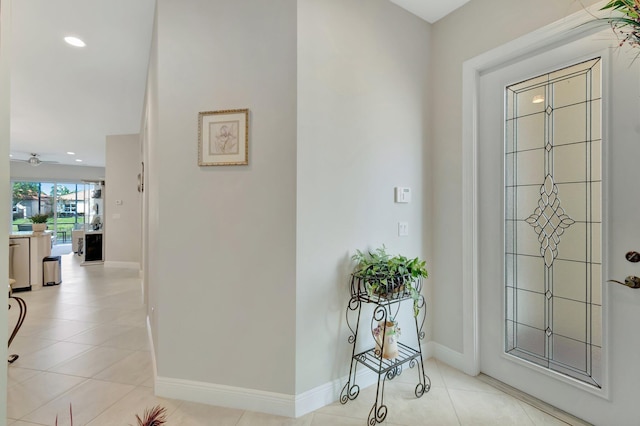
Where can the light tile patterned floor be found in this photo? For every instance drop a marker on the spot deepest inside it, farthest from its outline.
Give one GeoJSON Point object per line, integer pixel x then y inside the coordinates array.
{"type": "Point", "coordinates": [85, 343]}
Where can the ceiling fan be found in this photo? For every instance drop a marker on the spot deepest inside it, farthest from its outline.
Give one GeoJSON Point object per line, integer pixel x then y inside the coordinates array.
{"type": "Point", "coordinates": [34, 160]}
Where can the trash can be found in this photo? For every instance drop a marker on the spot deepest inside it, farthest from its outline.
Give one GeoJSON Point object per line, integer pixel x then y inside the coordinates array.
{"type": "Point", "coordinates": [51, 273]}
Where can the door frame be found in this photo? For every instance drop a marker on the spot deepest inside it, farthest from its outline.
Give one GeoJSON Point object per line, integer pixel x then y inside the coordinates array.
{"type": "Point", "coordinates": [573, 27]}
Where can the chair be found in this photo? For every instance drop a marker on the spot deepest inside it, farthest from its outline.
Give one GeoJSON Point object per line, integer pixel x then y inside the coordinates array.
{"type": "Point", "coordinates": [62, 235]}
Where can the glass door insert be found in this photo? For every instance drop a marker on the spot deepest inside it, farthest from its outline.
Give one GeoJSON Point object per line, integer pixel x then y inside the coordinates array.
{"type": "Point", "coordinates": [553, 221]}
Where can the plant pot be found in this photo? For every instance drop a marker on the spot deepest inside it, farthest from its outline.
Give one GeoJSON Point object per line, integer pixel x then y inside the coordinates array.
{"type": "Point", "coordinates": [39, 228]}
{"type": "Point", "coordinates": [390, 332]}
{"type": "Point", "coordinates": [391, 293]}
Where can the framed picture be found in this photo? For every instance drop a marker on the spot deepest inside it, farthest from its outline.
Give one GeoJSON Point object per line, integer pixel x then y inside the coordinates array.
{"type": "Point", "coordinates": [223, 138]}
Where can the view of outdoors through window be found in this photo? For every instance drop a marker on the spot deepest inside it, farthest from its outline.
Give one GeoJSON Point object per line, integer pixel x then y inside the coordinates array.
{"type": "Point", "coordinates": [62, 202]}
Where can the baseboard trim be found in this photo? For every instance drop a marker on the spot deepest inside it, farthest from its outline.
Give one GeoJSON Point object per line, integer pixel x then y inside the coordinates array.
{"type": "Point", "coordinates": [125, 265]}
{"type": "Point", "coordinates": [448, 356]}
{"type": "Point", "coordinates": [255, 400]}
{"type": "Point", "coordinates": [270, 402]}
{"type": "Point", "coordinates": [226, 396]}
{"type": "Point", "coordinates": [219, 395]}
{"type": "Point", "coordinates": [329, 393]}
{"type": "Point", "coordinates": [428, 350]}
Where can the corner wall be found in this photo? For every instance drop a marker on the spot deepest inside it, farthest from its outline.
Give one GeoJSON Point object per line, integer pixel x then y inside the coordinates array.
{"type": "Point", "coordinates": [223, 238]}
{"type": "Point", "coordinates": [150, 226]}
{"type": "Point", "coordinates": [467, 32]}
{"type": "Point", "coordinates": [362, 130]}
{"type": "Point", "coordinates": [249, 264]}
{"type": "Point", "coordinates": [123, 201]}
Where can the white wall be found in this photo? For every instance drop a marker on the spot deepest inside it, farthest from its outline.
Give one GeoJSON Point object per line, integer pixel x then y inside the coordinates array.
{"type": "Point", "coordinates": [55, 172]}
{"type": "Point", "coordinates": [123, 201]}
{"type": "Point", "coordinates": [150, 224]}
{"type": "Point", "coordinates": [362, 130]}
{"type": "Point", "coordinates": [224, 237]}
{"type": "Point", "coordinates": [5, 31]}
{"type": "Point", "coordinates": [231, 267]}
{"type": "Point", "coordinates": [470, 30]}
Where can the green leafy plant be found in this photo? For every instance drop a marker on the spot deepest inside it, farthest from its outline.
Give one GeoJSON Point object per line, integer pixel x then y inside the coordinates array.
{"type": "Point", "coordinates": [39, 218]}
{"type": "Point", "coordinates": [385, 275]}
{"type": "Point", "coordinates": [627, 25]}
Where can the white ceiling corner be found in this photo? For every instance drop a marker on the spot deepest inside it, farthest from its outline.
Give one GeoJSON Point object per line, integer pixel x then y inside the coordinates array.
{"type": "Point", "coordinates": [430, 10]}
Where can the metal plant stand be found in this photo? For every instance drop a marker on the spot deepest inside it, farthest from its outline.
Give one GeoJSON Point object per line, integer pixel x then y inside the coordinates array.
{"type": "Point", "coordinates": [22, 306]}
{"type": "Point", "coordinates": [387, 369]}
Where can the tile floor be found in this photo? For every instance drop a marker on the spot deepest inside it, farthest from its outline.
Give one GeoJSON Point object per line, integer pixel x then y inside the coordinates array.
{"type": "Point", "coordinates": [85, 343]}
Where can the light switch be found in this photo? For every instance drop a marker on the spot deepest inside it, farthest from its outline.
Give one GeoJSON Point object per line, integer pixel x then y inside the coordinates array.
{"type": "Point", "coordinates": [402, 194]}
{"type": "Point", "coordinates": [403, 229]}
{"type": "Point", "coordinates": [118, 202]}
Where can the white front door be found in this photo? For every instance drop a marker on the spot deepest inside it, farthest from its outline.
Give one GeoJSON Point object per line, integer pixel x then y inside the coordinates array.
{"type": "Point", "coordinates": [559, 206]}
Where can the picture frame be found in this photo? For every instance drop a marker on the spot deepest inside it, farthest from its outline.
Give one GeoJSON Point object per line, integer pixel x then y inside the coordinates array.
{"type": "Point", "coordinates": [223, 137]}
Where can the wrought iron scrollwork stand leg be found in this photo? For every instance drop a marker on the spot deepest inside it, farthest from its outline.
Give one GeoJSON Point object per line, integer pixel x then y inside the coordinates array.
{"type": "Point", "coordinates": [350, 391]}
{"type": "Point", "coordinates": [379, 410]}
{"type": "Point", "coordinates": [22, 306]}
{"type": "Point", "coordinates": [424, 382]}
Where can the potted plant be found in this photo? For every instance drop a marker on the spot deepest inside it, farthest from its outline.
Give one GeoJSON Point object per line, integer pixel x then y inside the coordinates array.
{"type": "Point", "coordinates": [39, 222]}
{"type": "Point", "coordinates": [390, 277]}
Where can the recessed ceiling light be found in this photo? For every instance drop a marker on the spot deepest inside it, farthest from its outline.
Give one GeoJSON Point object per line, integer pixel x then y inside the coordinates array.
{"type": "Point", "coordinates": [538, 99]}
{"type": "Point", "coordinates": [75, 41]}
{"type": "Point", "coordinates": [71, 153]}
{"type": "Point", "coordinates": [78, 160]}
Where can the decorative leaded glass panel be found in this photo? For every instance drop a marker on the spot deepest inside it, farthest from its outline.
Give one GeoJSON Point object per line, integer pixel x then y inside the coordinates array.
{"type": "Point", "coordinates": [553, 221]}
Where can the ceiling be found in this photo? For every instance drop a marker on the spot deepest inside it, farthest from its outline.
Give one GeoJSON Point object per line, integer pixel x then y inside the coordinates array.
{"type": "Point", "coordinates": [68, 99]}
{"type": "Point", "coordinates": [430, 10]}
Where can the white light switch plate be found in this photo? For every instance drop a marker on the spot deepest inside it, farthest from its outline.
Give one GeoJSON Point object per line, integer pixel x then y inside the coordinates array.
{"type": "Point", "coordinates": [403, 229]}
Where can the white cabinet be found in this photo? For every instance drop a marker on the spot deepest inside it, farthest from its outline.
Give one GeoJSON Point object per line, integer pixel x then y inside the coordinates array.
{"type": "Point", "coordinates": [19, 263]}
{"type": "Point", "coordinates": [28, 252]}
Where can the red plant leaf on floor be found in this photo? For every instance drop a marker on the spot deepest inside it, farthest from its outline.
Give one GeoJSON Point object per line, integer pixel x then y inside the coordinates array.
{"type": "Point", "coordinates": [153, 417]}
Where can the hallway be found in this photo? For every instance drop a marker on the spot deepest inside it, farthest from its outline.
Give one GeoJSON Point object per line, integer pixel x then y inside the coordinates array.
{"type": "Point", "coordinates": [85, 343]}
